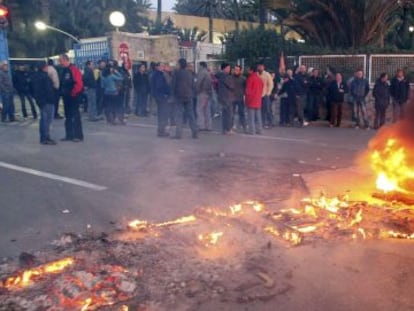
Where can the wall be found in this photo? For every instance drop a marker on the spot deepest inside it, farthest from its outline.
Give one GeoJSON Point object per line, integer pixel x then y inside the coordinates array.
{"type": "Point", "coordinates": [146, 48]}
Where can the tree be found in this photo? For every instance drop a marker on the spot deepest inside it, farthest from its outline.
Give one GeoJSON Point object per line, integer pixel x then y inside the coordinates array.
{"type": "Point", "coordinates": [339, 23]}
{"type": "Point", "coordinates": [82, 18]}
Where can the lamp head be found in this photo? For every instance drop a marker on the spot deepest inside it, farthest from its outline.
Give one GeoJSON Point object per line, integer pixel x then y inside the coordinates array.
{"type": "Point", "coordinates": [40, 25]}
{"type": "Point", "coordinates": [117, 19]}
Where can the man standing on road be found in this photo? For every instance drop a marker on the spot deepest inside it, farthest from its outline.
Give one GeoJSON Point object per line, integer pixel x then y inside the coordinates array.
{"type": "Point", "coordinates": [204, 89]}
{"type": "Point", "coordinates": [182, 89]}
{"type": "Point", "coordinates": [254, 92]}
{"type": "Point", "coordinates": [71, 87]}
{"type": "Point", "coordinates": [400, 92]}
{"type": "Point", "coordinates": [54, 76]}
{"type": "Point", "coordinates": [21, 82]}
{"type": "Point", "coordinates": [239, 83]}
{"type": "Point", "coordinates": [89, 84]}
{"type": "Point", "coordinates": [160, 92]}
{"type": "Point", "coordinates": [267, 113]}
{"type": "Point", "coordinates": [142, 88]}
{"type": "Point", "coordinates": [302, 84]}
{"type": "Point", "coordinates": [6, 92]}
{"type": "Point", "coordinates": [44, 93]}
{"type": "Point", "coordinates": [315, 95]}
{"type": "Point", "coordinates": [224, 94]}
{"type": "Point", "coordinates": [359, 91]}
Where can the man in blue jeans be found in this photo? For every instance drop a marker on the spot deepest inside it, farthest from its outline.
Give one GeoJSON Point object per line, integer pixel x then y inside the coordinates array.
{"type": "Point", "coordinates": [44, 93]}
{"type": "Point", "coordinates": [6, 92]}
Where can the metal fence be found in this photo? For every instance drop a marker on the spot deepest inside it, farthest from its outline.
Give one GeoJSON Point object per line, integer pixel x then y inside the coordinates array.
{"type": "Point", "coordinates": [92, 49]}
{"type": "Point", "coordinates": [345, 64]}
{"type": "Point", "coordinates": [373, 65]}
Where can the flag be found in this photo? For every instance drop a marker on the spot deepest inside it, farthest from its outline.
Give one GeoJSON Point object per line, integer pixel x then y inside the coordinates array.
{"type": "Point", "coordinates": [282, 64]}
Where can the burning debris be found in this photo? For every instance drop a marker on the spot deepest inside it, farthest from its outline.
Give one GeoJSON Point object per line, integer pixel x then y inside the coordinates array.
{"type": "Point", "coordinates": [163, 263]}
{"type": "Point", "coordinates": [218, 254]}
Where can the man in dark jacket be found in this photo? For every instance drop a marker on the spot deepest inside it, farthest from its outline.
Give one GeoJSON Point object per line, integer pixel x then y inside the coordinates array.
{"type": "Point", "coordinates": [160, 91]}
{"type": "Point", "coordinates": [21, 82]}
{"type": "Point", "coordinates": [400, 92]}
{"type": "Point", "coordinates": [224, 94]}
{"type": "Point", "coordinates": [381, 94]}
{"type": "Point", "coordinates": [183, 92]}
{"type": "Point", "coordinates": [44, 93]}
{"type": "Point", "coordinates": [287, 99]}
{"type": "Point", "coordinates": [142, 88]}
{"type": "Point", "coordinates": [315, 94]}
{"type": "Point", "coordinates": [336, 94]}
{"type": "Point", "coordinates": [301, 80]}
{"type": "Point", "coordinates": [89, 84]}
{"type": "Point", "coordinates": [239, 84]}
{"type": "Point", "coordinates": [204, 90]}
{"type": "Point", "coordinates": [359, 91]}
{"type": "Point", "coordinates": [71, 85]}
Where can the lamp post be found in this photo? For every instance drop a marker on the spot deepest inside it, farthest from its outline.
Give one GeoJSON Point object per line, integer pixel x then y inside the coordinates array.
{"type": "Point", "coordinates": [117, 19]}
{"type": "Point", "coordinates": [411, 30]}
{"type": "Point", "coordinates": [42, 26]}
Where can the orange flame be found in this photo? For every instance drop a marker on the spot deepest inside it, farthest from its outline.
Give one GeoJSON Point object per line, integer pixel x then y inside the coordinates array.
{"type": "Point", "coordinates": [391, 167]}
{"type": "Point", "coordinates": [182, 220]}
{"type": "Point", "coordinates": [26, 277]}
{"type": "Point", "coordinates": [211, 238]}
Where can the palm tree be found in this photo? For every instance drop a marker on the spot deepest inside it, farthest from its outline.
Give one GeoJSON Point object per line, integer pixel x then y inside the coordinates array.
{"type": "Point", "coordinates": [339, 23]}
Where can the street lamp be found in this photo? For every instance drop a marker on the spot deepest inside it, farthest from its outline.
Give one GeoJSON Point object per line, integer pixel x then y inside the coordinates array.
{"type": "Point", "coordinates": [117, 19]}
{"type": "Point", "coordinates": [42, 26]}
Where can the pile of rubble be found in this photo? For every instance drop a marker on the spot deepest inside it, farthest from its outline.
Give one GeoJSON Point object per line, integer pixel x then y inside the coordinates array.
{"type": "Point", "coordinates": [222, 256]}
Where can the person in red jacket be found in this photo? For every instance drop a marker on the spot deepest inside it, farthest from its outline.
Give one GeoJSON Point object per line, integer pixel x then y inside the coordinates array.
{"type": "Point", "coordinates": [254, 92]}
{"type": "Point", "coordinates": [71, 87]}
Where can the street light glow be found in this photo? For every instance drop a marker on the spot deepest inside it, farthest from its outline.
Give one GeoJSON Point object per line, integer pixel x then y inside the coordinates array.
{"type": "Point", "coordinates": [40, 25]}
{"type": "Point", "coordinates": [117, 19]}
{"type": "Point", "coordinates": [411, 29]}
{"type": "Point", "coordinates": [43, 26]}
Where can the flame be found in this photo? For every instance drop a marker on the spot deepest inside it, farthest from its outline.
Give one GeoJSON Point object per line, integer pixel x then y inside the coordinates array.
{"type": "Point", "coordinates": [124, 308]}
{"type": "Point", "coordinates": [138, 224]}
{"type": "Point", "coordinates": [357, 219]}
{"type": "Point", "coordinates": [293, 237]}
{"type": "Point", "coordinates": [235, 209]}
{"type": "Point", "coordinates": [211, 238]}
{"type": "Point", "coordinates": [331, 205]}
{"type": "Point", "coordinates": [182, 220]}
{"type": "Point", "coordinates": [400, 235]}
{"type": "Point", "coordinates": [26, 277]}
{"type": "Point", "coordinates": [143, 224]}
{"type": "Point", "coordinates": [307, 229]}
{"type": "Point", "coordinates": [86, 305]}
{"type": "Point", "coordinates": [391, 167]}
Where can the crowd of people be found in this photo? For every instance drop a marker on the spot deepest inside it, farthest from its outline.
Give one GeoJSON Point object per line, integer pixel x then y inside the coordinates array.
{"type": "Point", "coordinates": [183, 96]}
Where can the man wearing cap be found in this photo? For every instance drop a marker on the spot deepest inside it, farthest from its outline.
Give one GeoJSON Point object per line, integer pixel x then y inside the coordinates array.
{"type": "Point", "coordinates": [6, 92]}
{"type": "Point", "coordinates": [71, 85]}
{"type": "Point", "coordinates": [44, 93]}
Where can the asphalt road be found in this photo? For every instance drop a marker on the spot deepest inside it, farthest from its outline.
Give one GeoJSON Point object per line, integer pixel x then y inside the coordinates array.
{"type": "Point", "coordinates": [125, 172]}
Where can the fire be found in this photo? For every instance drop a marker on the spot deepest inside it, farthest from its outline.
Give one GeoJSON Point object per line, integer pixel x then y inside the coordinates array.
{"type": "Point", "coordinates": [391, 167]}
{"type": "Point", "coordinates": [211, 238]}
{"type": "Point", "coordinates": [182, 220]}
{"type": "Point", "coordinates": [143, 224]}
{"type": "Point", "coordinates": [26, 277]}
{"type": "Point", "coordinates": [88, 302]}
{"type": "Point", "coordinates": [138, 224]}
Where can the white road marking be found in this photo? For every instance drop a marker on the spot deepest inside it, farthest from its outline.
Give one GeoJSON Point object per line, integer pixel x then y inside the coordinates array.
{"type": "Point", "coordinates": [64, 179]}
